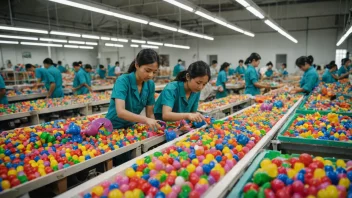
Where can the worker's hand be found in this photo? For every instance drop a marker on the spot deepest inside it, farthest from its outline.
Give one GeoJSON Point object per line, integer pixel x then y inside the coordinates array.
{"type": "Point", "coordinates": [221, 89]}
{"type": "Point", "coordinates": [152, 124]}
{"type": "Point", "coordinates": [90, 89]}
{"type": "Point", "coordinates": [195, 117]}
{"type": "Point", "coordinates": [293, 91]}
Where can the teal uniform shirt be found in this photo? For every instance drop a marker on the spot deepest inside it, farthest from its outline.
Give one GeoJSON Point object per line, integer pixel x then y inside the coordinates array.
{"type": "Point", "coordinates": [126, 89]}
{"type": "Point", "coordinates": [240, 70]}
{"type": "Point", "coordinates": [284, 72]}
{"type": "Point", "coordinates": [343, 70]}
{"type": "Point", "coordinates": [327, 76]}
{"type": "Point", "coordinates": [269, 73]}
{"type": "Point", "coordinates": [88, 77]}
{"type": "Point", "coordinates": [56, 74]}
{"type": "Point", "coordinates": [3, 100]}
{"type": "Point", "coordinates": [177, 69]}
{"type": "Point", "coordinates": [251, 77]}
{"type": "Point", "coordinates": [309, 80]}
{"type": "Point", "coordinates": [44, 76]}
{"type": "Point", "coordinates": [174, 96]}
{"type": "Point", "coordinates": [232, 72]}
{"type": "Point", "coordinates": [61, 68]}
{"type": "Point", "coordinates": [80, 78]}
{"type": "Point", "coordinates": [221, 81]}
{"type": "Point", "coordinates": [111, 70]}
{"type": "Point", "coordinates": [102, 73]}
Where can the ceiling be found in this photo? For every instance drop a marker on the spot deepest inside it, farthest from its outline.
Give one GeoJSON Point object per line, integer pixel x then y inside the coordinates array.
{"type": "Point", "coordinates": [48, 15]}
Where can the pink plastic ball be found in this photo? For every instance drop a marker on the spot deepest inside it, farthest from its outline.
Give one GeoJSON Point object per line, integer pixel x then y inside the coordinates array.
{"type": "Point", "coordinates": [153, 172]}
{"type": "Point", "coordinates": [176, 164]}
{"type": "Point", "coordinates": [199, 171]}
{"type": "Point", "coordinates": [349, 163]}
{"type": "Point", "coordinates": [169, 168]}
{"type": "Point", "coordinates": [172, 194]}
{"type": "Point", "coordinates": [176, 189]}
{"type": "Point", "coordinates": [124, 188]}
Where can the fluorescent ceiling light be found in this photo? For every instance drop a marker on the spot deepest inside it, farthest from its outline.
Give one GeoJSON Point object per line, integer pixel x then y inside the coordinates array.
{"type": "Point", "coordinates": [216, 20]}
{"type": "Point", "coordinates": [71, 46]}
{"type": "Point", "coordinates": [86, 47]}
{"type": "Point", "coordinates": [234, 28]}
{"type": "Point", "coordinates": [288, 36]}
{"type": "Point", "coordinates": [89, 36]}
{"type": "Point", "coordinates": [134, 45]}
{"type": "Point", "coordinates": [113, 45]}
{"type": "Point", "coordinates": [208, 38]}
{"type": "Point", "coordinates": [343, 38]}
{"type": "Point", "coordinates": [255, 12]}
{"type": "Point", "coordinates": [154, 43]}
{"type": "Point", "coordinates": [249, 34]}
{"type": "Point", "coordinates": [123, 40]}
{"type": "Point", "coordinates": [77, 42]}
{"type": "Point", "coordinates": [8, 42]}
{"type": "Point", "coordinates": [18, 37]}
{"type": "Point", "coordinates": [163, 26]}
{"type": "Point", "coordinates": [41, 44]}
{"type": "Point", "coordinates": [23, 29]}
{"type": "Point", "coordinates": [138, 41]}
{"type": "Point", "coordinates": [272, 25]}
{"type": "Point", "coordinates": [105, 38]}
{"type": "Point", "coordinates": [176, 46]}
{"type": "Point", "coordinates": [243, 3]}
{"type": "Point", "coordinates": [65, 34]}
{"type": "Point", "coordinates": [53, 40]}
{"type": "Point", "coordinates": [150, 46]}
{"type": "Point", "coordinates": [91, 43]}
{"type": "Point", "coordinates": [202, 14]}
{"type": "Point", "coordinates": [113, 39]}
{"type": "Point", "coordinates": [98, 10]}
{"type": "Point", "coordinates": [180, 5]}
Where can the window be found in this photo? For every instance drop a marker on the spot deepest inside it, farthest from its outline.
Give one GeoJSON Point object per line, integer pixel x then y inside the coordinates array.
{"type": "Point", "coordinates": [340, 54]}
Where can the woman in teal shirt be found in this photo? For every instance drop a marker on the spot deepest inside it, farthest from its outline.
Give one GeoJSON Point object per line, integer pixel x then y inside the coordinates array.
{"type": "Point", "coordinates": [55, 90]}
{"type": "Point", "coordinates": [81, 80]}
{"type": "Point", "coordinates": [329, 75]}
{"type": "Point", "coordinates": [345, 69]}
{"type": "Point", "coordinates": [3, 97]}
{"type": "Point", "coordinates": [310, 78]}
{"type": "Point", "coordinates": [283, 70]}
{"type": "Point", "coordinates": [269, 72]}
{"type": "Point", "coordinates": [42, 75]}
{"type": "Point", "coordinates": [102, 72]}
{"type": "Point", "coordinates": [60, 67]}
{"type": "Point", "coordinates": [134, 91]}
{"type": "Point", "coordinates": [240, 70]}
{"type": "Point", "coordinates": [221, 81]}
{"type": "Point", "coordinates": [251, 76]}
{"type": "Point", "coordinates": [179, 99]}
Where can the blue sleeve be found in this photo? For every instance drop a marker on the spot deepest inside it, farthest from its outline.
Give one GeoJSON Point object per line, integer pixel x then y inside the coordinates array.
{"type": "Point", "coordinates": [151, 99]}
{"type": "Point", "coordinates": [168, 97]}
{"type": "Point", "coordinates": [195, 105]}
{"type": "Point", "coordinates": [341, 71]}
{"type": "Point", "coordinates": [310, 82]}
{"type": "Point", "coordinates": [81, 78]}
{"type": "Point", "coordinates": [51, 78]}
{"type": "Point", "coordinates": [38, 74]}
{"type": "Point", "coordinates": [223, 78]}
{"type": "Point", "coordinates": [120, 89]}
{"type": "Point", "coordinates": [253, 77]}
{"type": "Point", "coordinates": [2, 83]}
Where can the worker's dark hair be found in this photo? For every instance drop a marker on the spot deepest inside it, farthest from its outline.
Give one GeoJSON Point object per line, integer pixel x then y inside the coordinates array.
{"type": "Point", "coordinates": [269, 63]}
{"type": "Point", "coordinates": [48, 61]}
{"type": "Point", "coordinates": [301, 61]}
{"type": "Point", "coordinates": [75, 64]}
{"type": "Point", "coordinates": [345, 60]}
{"type": "Point", "coordinates": [330, 66]}
{"type": "Point", "coordinates": [117, 62]}
{"type": "Point", "coordinates": [29, 66]}
{"type": "Point", "coordinates": [240, 61]}
{"type": "Point", "coordinates": [318, 67]}
{"type": "Point", "coordinates": [79, 62]}
{"type": "Point", "coordinates": [87, 66]}
{"type": "Point", "coordinates": [144, 57]}
{"type": "Point", "coordinates": [310, 57]}
{"type": "Point", "coordinates": [179, 60]}
{"type": "Point", "coordinates": [101, 66]}
{"type": "Point", "coordinates": [254, 56]}
{"type": "Point", "coordinates": [214, 62]}
{"type": "Point", "coordinates": [59, 62]}
{"type": "Point", "coordinates": [284, 64]}
{"type": "Point", "coordinates": [196, 69]}
{"type": "Point", "coordinates": [224, 66]}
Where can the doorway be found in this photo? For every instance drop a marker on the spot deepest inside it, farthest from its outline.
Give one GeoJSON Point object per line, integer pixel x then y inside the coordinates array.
{"type": "Point", "coordinates": [280, 59]}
